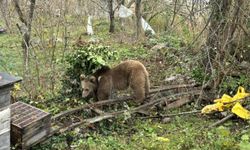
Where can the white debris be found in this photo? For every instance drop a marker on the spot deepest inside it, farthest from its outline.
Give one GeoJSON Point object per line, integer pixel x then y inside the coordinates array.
{"type": "Point", "coordinates": [124, 12]}
{"type": "Point", "coordinates": [89, 26]}
{"type": "Point", "coordinates": [146, 26]}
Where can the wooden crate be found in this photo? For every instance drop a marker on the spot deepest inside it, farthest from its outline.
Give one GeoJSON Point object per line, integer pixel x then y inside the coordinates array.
{"type": "Point", "coordinates": [28, 125]}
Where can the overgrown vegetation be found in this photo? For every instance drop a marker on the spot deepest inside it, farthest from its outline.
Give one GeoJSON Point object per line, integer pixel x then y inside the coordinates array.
{"type": "Point", "coordinates": [84, 60]}
{"type": "Point", "coordinates": [181, 133]}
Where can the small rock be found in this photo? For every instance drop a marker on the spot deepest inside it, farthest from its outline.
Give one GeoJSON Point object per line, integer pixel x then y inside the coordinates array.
{"type": "Point", "coordinates": [224, 113]}
{"type": "Point", "coordinates": [244, 64]}
{"type": "Point", "coordinates": [143, 112]}
{"type": "Point", "coordinates": [179, 79]}
{"type": "Point", "coordinates": [166, 120]}
{"type": "Point", "coordinates": [2, 30]}
{"type": "Point", "coordinates": [160, 46]}
{"type": "Point", "coordinates": [94, 40]}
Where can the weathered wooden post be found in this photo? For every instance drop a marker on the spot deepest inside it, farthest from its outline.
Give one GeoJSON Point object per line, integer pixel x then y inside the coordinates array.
{"type": "Point", "coordinates": [6, 84]}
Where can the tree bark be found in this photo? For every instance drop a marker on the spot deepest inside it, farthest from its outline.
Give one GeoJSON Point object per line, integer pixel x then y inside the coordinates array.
{"type": "Point", "coordinates": [138, 18]}
{"type": "Point", "coordinates": [111, 16]}
{"type": "Point", "coordinates": [25, 29]}
{"type": "Point", "coordinates": [4, 9]}
{"type": "Point", "coordinates": [174, 15]}
{"type": "Point", "coordinates": [216, 40]}
{"type": "Point", "coordinates": [130, 3]}
{"type": "Point", "coordinates": [225, 18]}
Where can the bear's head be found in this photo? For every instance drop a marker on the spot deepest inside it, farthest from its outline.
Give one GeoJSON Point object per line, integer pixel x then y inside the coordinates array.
{"type": "Point", "coordinates": [88, 85]}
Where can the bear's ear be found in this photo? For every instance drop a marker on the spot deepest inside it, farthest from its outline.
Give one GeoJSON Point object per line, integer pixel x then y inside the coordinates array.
{"type": "Point", "coordinates": [82, 77]}
{"type": "Point", "coordinates": [99, 78]}
{"type": "Point", "coordinates": [92, 79]}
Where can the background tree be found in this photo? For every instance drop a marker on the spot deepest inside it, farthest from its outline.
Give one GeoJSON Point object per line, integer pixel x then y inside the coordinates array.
{"type": "Point", "coordinates": [25, 29]}
{"type": "Point", "coordinates": [111, 16]}
{"type": "Point", "coordinates": [138, 18]}
{"type": "Point", "coordinates": [223, 39]}
{"type": "Point", "coordinates": [4, 12]}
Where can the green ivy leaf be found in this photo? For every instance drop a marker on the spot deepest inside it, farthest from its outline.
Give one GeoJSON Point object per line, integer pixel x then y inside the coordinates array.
{"type": "Point", "coordinates": [245, 137]}
{"type": "Point", "coordinates": [84, 60]}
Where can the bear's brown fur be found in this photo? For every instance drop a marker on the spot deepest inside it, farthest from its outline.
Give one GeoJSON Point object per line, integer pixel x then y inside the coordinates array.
{"type": "Point", "coordinates": [129, 73]}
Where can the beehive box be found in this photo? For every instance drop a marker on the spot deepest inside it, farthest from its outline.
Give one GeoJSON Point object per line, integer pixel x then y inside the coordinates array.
{"type": "Point", "coordinates": [28, 125]}
{"type": "Point", "coordinates": [6, 84]}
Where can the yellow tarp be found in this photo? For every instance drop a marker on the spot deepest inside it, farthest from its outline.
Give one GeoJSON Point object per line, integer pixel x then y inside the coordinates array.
{"type": "Point", "coordinates": [227, 101]}
{"type": "Point", "coordinates": [240, 111]}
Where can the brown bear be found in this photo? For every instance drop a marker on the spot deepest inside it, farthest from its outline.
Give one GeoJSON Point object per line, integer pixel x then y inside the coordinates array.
{"type": "Point", "coordinates": [130, 73]}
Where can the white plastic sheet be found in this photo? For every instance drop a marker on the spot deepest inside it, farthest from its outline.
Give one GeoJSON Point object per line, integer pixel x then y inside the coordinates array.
{"type": "Point", "coordinates": [124, 12]}
{"type": "Point", "coordinates": [146, 26]}
{"type": "Point", "coordinates": [89, 26]}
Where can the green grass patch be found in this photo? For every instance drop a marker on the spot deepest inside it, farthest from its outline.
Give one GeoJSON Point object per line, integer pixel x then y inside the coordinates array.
{"type": "Point", "coordinates": [182, 133]}
{"type": "Point", "coordinates": [10, 54]}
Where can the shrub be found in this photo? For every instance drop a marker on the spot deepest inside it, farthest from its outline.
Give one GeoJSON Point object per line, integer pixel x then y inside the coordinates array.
{"type": "Point", "coordinates": [84, 60]}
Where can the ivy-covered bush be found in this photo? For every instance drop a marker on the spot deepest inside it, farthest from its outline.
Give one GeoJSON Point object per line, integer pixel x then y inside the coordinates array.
{"type": "Point", "coordinates": [84, 60]}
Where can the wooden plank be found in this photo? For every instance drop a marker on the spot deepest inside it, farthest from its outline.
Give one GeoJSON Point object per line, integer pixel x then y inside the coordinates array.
{"type": "Point", "coordinates": [36, 137]}
{"type": "Point", "coordinates": [179, 102]}
{"type": "Point", "coordinates": [41, 122]}
{"type": "Point", "coordinates": [32, 131]}
{"type": "Point", "coordinates": [37, 131]}
{"type": "Point", "coordinates": [5, 119]}
{"type": "Point", "coordinates": [5, 140]}
{"type": "Point", "coordinates": [5, 129]}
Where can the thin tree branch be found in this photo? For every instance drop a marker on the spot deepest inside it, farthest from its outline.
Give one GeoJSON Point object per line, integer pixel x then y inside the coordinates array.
{"type": "Point", "coordinates": [19, 12]}
{"type": "Point", "coordinates": [172, 115]}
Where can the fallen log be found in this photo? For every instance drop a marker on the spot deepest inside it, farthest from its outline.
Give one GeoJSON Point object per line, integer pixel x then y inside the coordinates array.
{"type": "Point", "coordinates": [170, 87]}
{"type": "Point", "coordinates": [89, 121]}
{"type": "Point", "coordinates": [96, 104]}
{"type": "Point", "coordinates": [179, 102]}
{"type": "Point", "coordinates": [122, 99]}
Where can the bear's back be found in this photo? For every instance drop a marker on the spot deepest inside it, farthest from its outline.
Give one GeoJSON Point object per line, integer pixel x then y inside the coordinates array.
{"type": "Point", "coordinates": [122, 73]}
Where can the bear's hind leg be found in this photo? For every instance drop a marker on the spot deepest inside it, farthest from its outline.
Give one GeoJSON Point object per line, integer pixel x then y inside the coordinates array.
{"type": "Point", "coordinates": [137, 83]}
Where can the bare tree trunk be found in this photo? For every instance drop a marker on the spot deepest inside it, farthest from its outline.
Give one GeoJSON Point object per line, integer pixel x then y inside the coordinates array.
{"type": "Point", "coordinates": [138, 18]}
{"type": "Point", "coordinates": [111, 16]}
{"type": "Point", "coordinates": [215, 41]}
{"type": "Point", "coordinates": [175, 7]}
{"type": "Point", "coordinates": [25, 29]}
{"type": "Point", "coordinates": [79, 6]}
{"type": "Point", "coordinates": [4, 9]}
{"type": "Point", "coordinates": [130, 3]}
{"type": "Point", "coordinates": [223, 24]}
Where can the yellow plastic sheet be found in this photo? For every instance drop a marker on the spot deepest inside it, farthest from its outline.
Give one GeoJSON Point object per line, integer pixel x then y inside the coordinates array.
{"type": "Point", "coordinates": [227, 101]}
{"type": "Point", "coordinates": [240, 94]}
{"type": "Point", "coordinates": [224, 99]}
{"type": "Point", "coordinates": [240, 111]}
{"type": "Point", "coordinates": [213, 107]}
